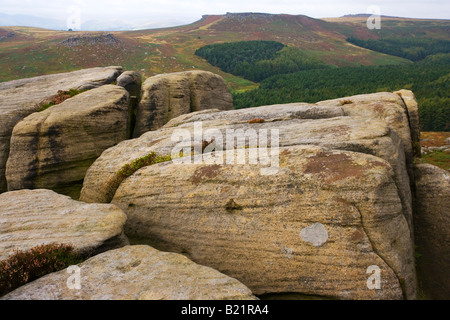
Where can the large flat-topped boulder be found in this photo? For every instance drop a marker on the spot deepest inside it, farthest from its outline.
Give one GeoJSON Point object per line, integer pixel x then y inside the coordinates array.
{"type": "Point", "coordinates": [167, 96]}
{"type": "Point", "coordinates": [390, 107]}
{"type": "Point", "coordinates": [54, 148]}
{"type": "Point", "coordinates": [137, 273]}
{"type": "Point", "coordinates": [20, 98]}
{"type": "Point", "coordinates": [272, 113]}
{"type": "Point", "coordinates": [29, 218]}
{"type": "Point", "coordinates": [315, 227]}
{"type": "Point", "coordinates": [339, 202]}
{"type": "Point", "coordinates": [101, 180]}
{"type": "Point", "coordinates": [299, 124]}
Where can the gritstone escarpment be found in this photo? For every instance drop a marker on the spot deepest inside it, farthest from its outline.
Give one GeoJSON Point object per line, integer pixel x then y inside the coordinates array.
{"type": "Point", "coordinates": [54, 148]}
{"type": "Point", "coordinates": [20, 98]}
{"type": "Point", "coordinates": [344, 164]}
{"type": "Point", "coordinates": [322, 199]}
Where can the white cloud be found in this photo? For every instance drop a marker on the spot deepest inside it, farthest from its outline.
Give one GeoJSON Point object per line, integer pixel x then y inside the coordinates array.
{"type": "Point", "coordinates": [140, 9]}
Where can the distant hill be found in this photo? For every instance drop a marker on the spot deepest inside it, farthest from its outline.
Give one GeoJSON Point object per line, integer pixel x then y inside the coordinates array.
{"type": "Point", "coordinates": [32, 52]}
{"type": "Point", "coordinates": [345, 45]}
{"type": "Point", "coordinates": [367, 15]}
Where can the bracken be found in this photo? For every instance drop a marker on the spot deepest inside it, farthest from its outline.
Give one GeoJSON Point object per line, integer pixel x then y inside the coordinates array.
{"type": "Point", "coordinates": [26, 266]}
{"type": "Point", "coordinates": [60, 97]}
{"type": "Point", "coordinates": [151, 159]}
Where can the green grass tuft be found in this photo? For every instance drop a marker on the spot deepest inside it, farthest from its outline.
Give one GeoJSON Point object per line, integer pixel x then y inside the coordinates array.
{"type": "Point", "coordinates": [26, 266]}
{"type": "Point", "coordinates": [151, 159]}
{"type": "Point", "coordinates": [440, 159]}
{"type": "Point", "coordinates": [46, 106]}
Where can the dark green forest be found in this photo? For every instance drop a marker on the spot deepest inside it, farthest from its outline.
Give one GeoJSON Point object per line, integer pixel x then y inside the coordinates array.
{"type": "Point", "coordinates": [258, 60]}
{"type": "Point", "coordinates": [412, 48]}
{"type": "Point", "coordinates": [287, 74]}
{"type": "Point", "coordinates": [428, 79]}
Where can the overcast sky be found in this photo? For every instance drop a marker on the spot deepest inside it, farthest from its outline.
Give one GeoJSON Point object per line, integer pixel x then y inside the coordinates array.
{"type": "Point", "coordinates": [193, 9]}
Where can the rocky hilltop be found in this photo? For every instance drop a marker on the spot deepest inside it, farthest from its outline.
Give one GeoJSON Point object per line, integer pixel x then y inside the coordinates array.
{"type": "Point", "coordinates": [324, 200]}
{"type": "Point", "coordinates": [88, 39]}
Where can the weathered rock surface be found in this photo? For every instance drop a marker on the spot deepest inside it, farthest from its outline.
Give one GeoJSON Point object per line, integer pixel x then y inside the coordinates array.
{"type": "Point", "coordinates": [137, 273]}
{"type": "Point", "coordinates": [414, 121]}
{"type": "Point", "coordinates": [131, 81]}
{"type": "Point", "coordinates": [168, 96]}
{"type": "Point", "coordinates": [432, 220]}
{"type": "Point", "coordinates": [53, 149]}
{"type": "Point", "coordinates": [250, 226]}
{"type": "Point", "coordinates": [299, 124]}
{"type": "Point", "coordinates": [30, 218]}
{"type": "Point", "coordinates": [101, 180]}
{"type": "Point", "coordinates": [390, 107]}
{"type": "Point", "coordinates": [344, 171]}
{"type": "Point", "coordinates": [20, 98]}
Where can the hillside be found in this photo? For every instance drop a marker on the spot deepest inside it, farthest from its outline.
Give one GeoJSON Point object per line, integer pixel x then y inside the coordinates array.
{"type": "Point", "coordinates": [286, 162]}
{"type": "Point", "coordinates": [31, 51]}
{"type": "Point", "coordinates": [336, 42]}
{"type": "Point", "coordinates": [395, 26]}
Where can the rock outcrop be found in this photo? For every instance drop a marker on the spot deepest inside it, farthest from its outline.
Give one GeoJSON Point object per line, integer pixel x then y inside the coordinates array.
{"type": "Point", "coordinates": [136, 273]}
{"type": "Point", "coordinates": [4, 34]}
{"type": "Point", "coordinates": [54, 148]}
{"type": "Point", "coordinates": [344, 170]}
{"type": "Point", "coordinates": [20, 98]}
{"type": "Point", "coordinates": [131, 81]}
{"type": "Point", "coordinates": [102, 181]}
{"type": "Point", "coordinates": [353, 196]}
{"type": "Point", "coordinates": [317, 199]}
{"type": "Point", "coordinates": [91, 40]}
{"type": "Point", "coordinates": [168, 96]}
{"type": "Point", "coordinates": [29, 218]}
{"type": "Point", "coordinates": [414, 122]}
{"type": "Point", "coordinates": [390, 108]}
{"type": "Point", "coordinates": [432, 220]}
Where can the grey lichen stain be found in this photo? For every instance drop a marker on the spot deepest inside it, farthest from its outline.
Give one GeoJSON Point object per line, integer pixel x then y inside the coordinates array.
{"type": "Point", "coordinates": [315, 234]}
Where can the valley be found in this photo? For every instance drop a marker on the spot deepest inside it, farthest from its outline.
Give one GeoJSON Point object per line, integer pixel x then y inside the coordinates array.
{"type": "Point", "coordinates": [118, 148]}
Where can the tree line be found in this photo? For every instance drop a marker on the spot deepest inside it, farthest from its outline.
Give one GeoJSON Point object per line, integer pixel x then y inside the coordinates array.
{"type": "Point", "coordinates": [288, 74]}
{"type": "Point", "coordinates": [258, 60]}
{"type": "Point", "coordinates": [412, 48]}
{"type": "Point", "coordinates": [428, 79]}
